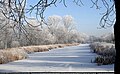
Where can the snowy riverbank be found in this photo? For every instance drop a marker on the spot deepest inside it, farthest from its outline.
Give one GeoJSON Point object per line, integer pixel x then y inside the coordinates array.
{"type": "Point", "coordinates": [67, 59]}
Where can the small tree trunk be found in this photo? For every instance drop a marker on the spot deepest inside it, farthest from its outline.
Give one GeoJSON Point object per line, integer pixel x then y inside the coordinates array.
{"type": "Point", "coordinates": [5, 46]}
{"type": "Point", "coordinates": [5, 43]}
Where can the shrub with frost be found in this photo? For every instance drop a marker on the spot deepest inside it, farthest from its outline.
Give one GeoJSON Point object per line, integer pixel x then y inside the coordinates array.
{"type": "Point", "coordinates": [104, 60]}
{"type": "Point", "coordinates": [106, 52]}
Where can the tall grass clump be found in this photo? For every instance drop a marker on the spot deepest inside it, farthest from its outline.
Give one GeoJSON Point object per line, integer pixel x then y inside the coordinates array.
{"type": "Point", "coordinates": [12, 55]}
{"type": "Point", "coordinates": [106, 52]}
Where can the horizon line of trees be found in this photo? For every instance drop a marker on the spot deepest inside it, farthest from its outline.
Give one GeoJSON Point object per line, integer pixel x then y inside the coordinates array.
{"type": "Point", "coordinates": [58, 30]}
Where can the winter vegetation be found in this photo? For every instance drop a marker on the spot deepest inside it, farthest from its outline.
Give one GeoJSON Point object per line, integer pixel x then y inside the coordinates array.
{"type": "Point", "coordinates": [109, 38]}
{"type": "Point", "coordinates": [21, 35]}
{"type": "Point", "coordinates": [12, 55]}
{"type": "Point", "coordinates": [15, 43]}
{"type": "Point", "coordinates": [59, 30]}
{"type": "Point", "coordinates": [67, 59]}
{"type": "Point", "coordinates": [18, 53]}
{"type": "Point", "coordinates": [106, 52]}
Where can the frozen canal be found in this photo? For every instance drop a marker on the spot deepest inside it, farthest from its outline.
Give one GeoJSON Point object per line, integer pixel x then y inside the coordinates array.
{"type": "Point", "coordinates": [67, 59]}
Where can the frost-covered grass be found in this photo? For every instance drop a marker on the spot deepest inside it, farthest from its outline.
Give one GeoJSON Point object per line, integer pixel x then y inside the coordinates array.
{"type": "Point", "coordinates": [18, 53]}
{"type": "Point", "coordinates": [31, 49]}
{"type": "Point", "coordinates": [12, 55]}
{"type": "Point", "coordinates": [106, 52]}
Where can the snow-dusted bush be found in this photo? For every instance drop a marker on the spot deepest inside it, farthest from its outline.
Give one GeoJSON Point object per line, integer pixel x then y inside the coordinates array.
{"type": "Point", "coordinates": [104, 60]}
{"type": "Point", "coordinates": [100, 46]}
{"type": "Point", "coordinates": [106, 52]}
{"type": "Point", "coordinates": [94, 46]}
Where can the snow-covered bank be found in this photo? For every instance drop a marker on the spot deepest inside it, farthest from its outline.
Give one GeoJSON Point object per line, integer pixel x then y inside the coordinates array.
{"type": "Point", "coordinates": [67, 59]}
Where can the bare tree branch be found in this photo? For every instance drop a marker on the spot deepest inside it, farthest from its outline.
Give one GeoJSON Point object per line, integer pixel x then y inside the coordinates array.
{"type": "Point", "coordinates": [78, 2]}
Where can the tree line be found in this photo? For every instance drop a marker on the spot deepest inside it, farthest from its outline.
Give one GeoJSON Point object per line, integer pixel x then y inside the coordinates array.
{"type": "Point", "coordinates": [58, 31]}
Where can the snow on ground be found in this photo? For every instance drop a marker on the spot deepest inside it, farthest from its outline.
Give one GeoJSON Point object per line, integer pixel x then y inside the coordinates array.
{"type": "Point", "coordinates": [67, 59]}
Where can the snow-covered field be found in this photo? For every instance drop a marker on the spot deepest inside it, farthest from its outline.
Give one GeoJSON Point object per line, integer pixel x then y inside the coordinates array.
{"type": "Point", "coordinates": [67, 59]}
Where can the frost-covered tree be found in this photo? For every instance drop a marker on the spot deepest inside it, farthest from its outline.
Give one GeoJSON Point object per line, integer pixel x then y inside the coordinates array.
{"type": "Point", "coordinates": [63, 29]}
{"type": "Point", "coordinates": [5, 30]}
{"type": "Point", "coordinates": [108, 37]}
{"type": "Point", "coordinates": [33, 33]}
{"type": "Point", "coordinates": [53, 22]}
{"type": "Point", "coordinates": [68, 22]}
{"type": "Point", "coordinates": [94, 39]}
{"type": "Point", "coordinates": [47, 37]}
{"type": "Point", "coordinates": [61, 35]}
{"type": "Point", "coordinates": [76, 36]}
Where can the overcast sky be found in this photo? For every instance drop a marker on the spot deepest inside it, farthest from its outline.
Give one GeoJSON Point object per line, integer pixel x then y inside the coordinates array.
{"type": "Point", "coordinates": [86, 18]}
